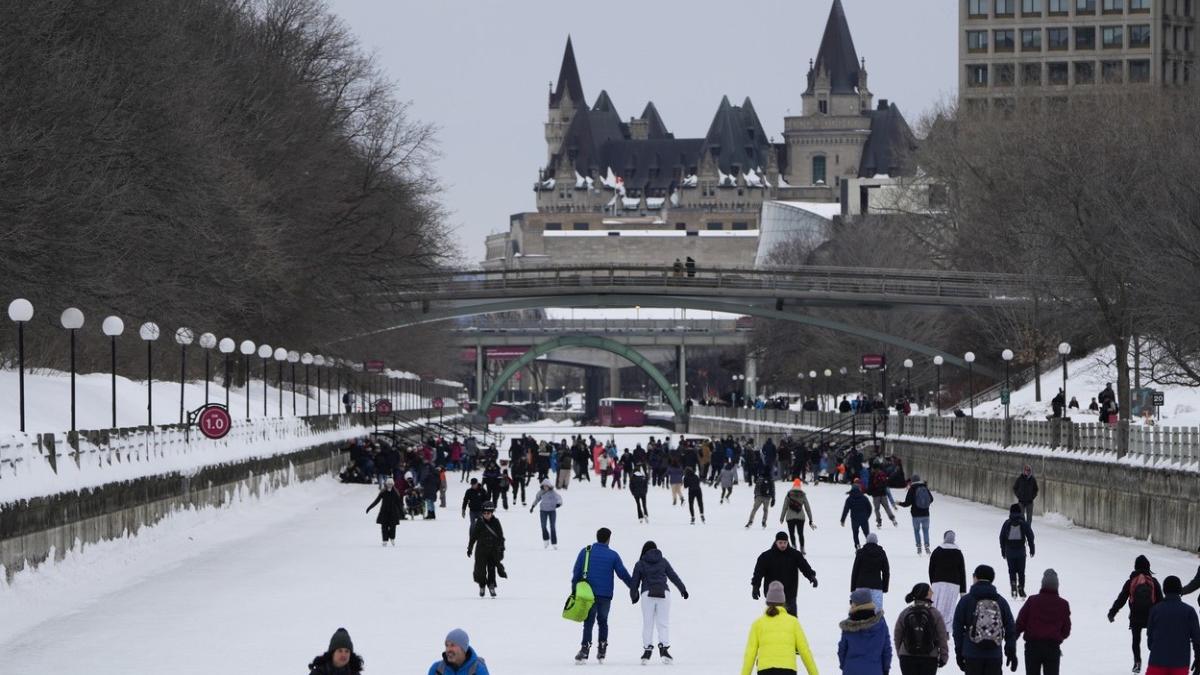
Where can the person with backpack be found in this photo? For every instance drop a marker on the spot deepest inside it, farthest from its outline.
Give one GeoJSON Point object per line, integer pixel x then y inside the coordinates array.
{"type": "Point", "coordinates": [1140, 593]}
{"type": "Point", "coordinates": [859, 509]}
{"type": "Point", "coordinates": [776, 639]}
{"type": "Point", "coordinates": [548, 501]}
{"type": "Point", "coordinates": [1015, 533]}
{"type": "Point", "coordinates": [1025, 489]}
{"type": "Point", "coordinates": [1173, 634]}
{"type": "Point", "coordinates": [391, 511]}
{"type": "Point", "coordinates": [487, 544]}
{"type": "Point", "coordinates": [764, 496]}
{"type": "Point", "coordinates": [922, 644]}
{"type": "Point", "coordinates": [983, 628]}
{"type": "Point", "coordinates": [638, 487]}
{"type": "Point", "coordinates": [597, 564]}
{"type": "Point", "coordinates": [339, 659]}
{"type": "Point", "coordinates": [695, 493]}
{"type": "Point", "coordinates": [1045, 621]}
{"type": "Point", "coordinates": [877, 490]}
{"type": "Point", "coordinates": [871, 571]}
{"type": "Point", "coordinates": [459, 658]}
{"type": "Point", "coordinates": [866, 645]}
{"type": "Point", "coordinates": [947, 576]}
{"type": "Point", "coordinates": [919, 499]}
{"type": "Point", "coordinates": [781, 563]}
{"type": "Point", "coordinates": [795, 509]}
{"type": "Point", "coordinates": [649, 584]}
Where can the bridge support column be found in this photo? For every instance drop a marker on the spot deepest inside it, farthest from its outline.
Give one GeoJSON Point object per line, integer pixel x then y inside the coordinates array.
{"type": "Point", "coordinates": [682, 352]}
{"type": "Point", "coordinates": [479, 374]}
{"type": "Point", "coordinates": [614, 382]}
{"type": "Point", "coordinates": [751, 390]}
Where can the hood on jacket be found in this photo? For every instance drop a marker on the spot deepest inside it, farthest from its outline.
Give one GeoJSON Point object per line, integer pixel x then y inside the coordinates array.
{"type": "Point", "coordinates": [653, 556]}
{"type": "Point", "coordinates": [1015, 510]}
{"type": "Point", "coordinates": [547, 484]}
{"type": "Point", "coordinates": [1141, 565]}
{"type": "Point", "coordinates": [324, 663]}
{"type": "Point", "coordinates": [1027, 471]}
{"type": "Point", "coordinates": [859, 625]}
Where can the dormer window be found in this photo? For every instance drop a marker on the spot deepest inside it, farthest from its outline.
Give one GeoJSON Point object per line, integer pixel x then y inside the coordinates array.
{"type": "Point", "coordinates": [823, 107]}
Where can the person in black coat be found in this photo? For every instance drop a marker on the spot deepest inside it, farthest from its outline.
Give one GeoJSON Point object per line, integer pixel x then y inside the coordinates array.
{"type": "Point", "coordinates": [487, 544]}
{"type": "Point", "coordinates": [695, 493]}
{"type": "Point", "coordinates": [1015, 534]}
{"type": "Point", "coordinates": [858, 507]}
{"type": "Point", "coordinates": [473, 500]}
{"type": "Point", "coordinates": [637, 488]}
{"type": "Point", "coordinates": [339, 659]}
{"type": "Point", "coordinates": [781, 563]}
{"type": "Point", "coordinates": [1140, 592]}
{"type": "Point", "coordinates": [391, 510]}
{"type": "Point", "coordinates": [871, 571]}
{"type": "Point", "coordinates": [1025, 489]}
{"type": "Point", "coordinates": [431, 483]}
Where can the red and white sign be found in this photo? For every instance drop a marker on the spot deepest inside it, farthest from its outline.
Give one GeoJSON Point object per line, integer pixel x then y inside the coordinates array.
{"type": "Point", "coordinates": [438, 403]}
{"type": "Point", "coordinates": [495, 353]}
{"type": "Point", "coordinates": [214, 422]}
{"type": "Point", "coordinates": [383, 407]}
{"type": "Point", "coordinates": [373, 366]}
{"type": "Point", "coordinates": [874, 361]}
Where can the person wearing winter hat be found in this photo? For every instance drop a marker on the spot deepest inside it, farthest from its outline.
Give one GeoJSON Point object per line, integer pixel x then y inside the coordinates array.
{"type": "Point", "coordinates": [339, 659]}
{"type": "Point", "coordinates": [547, 500]}
{"type": "Point", "coordinates": [1140, 593]}
{"type": "Point", "coordinates": [1025, 489]}
{"type": "Point", "coordinates": [947, 576]}
{"type": "Point", "coordinates": [922, 644]}
{"type": "Point", "coordinates": [1015, 533]}
{"type": "Point", "coordinates": [781, 563]}
{"type": "Point", "coordinates": [649, 585]}
{"type": "Point", "coordinates": [795, 509]}
{"type": "Point", "coordinates": [473, 500]}
{"type": "Point", "coordinates": [487, 543]}
{"type": "Point", "coordinates": [983, 629]}
{"type": "Point", "coordinates": [1045, 621]}
{"type": "Point", "coordinates": [390, 511]}
{"type": "Point", "coordinates": [919, 498]}
{"type": "Point", "coordinates": [638, 486]}
{"type": "Point", "coordinates": [871, 571]}
{"type": "Point", "coordinates": [458, 658]}
{"type": "Point", "coordinates": [858, 507]}
{"type": "Point", "coordinates": [1173, 634]}
{"type": "Point", "coordinates": [776, 638]}
{"type": "Point", "coordinates": [866, 645]}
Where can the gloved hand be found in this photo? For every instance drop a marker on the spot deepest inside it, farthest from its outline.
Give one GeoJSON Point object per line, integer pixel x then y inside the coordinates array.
{"type": "Point", "coordinates": [683, 594]}
{"type": "Point", "coordinates": [962, 663]}
{"type": "Point", "coordinates": [814, 582]}
{"type": "Point", "coordinates": [754, 593]}
{"type": "Point", "coordinates": [1011, 661]}
{"type": "Point", "coordinates": [468, 553]}
{"type": "Point", "coordinates": [812, 525]}
{"type": "Point", "coordinates": [633, 596]}
{"type": "Point", "coordinates": [843, 523]}
{"type": "Point", "coordinates": [1111, 616]}
{"type": "Point", "coordinates": [464, 514]}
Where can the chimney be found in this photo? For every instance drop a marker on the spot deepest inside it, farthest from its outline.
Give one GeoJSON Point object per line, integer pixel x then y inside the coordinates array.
{"type": "Point", "coordinates": [883, 104]}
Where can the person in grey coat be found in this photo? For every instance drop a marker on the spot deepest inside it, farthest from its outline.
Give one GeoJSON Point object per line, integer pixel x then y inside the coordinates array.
{"type": "Point", "coordinates": [547, 501]}
{"type": "Point", "coordinates": [649, 585]}
{"type": "Point", "coordinates": [727, 479]}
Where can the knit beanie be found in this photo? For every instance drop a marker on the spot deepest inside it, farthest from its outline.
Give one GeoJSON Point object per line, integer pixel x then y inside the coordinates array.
{"type": "Point", "coordinates": [1050, 580]}
{"type": "Point", "coordinates": [919, 592]}
{"type": "Point", "coordinates": [948, 538]}
{"type": "Point", "coordinates": [872, 538]}
{"type": "Point", "coordinates": [985, 573]}
{"type": "Point", "coordinates": [861, 599]}
{"type": "Point", "coordinates": [459, 637]}
{"type": "Point", "coordinates": [775, 594]}
{"type": "Point", "coordinates": [781, 536]}
{"type": "Point", "coordinates": [916, 478]}
{"type": "Point", "coordinates": [340, 640]}
{"type": "Point", "coordinates": [1172, 586]}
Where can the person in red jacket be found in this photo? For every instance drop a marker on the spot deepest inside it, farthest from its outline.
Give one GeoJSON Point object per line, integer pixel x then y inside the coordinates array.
{"type": "Point", "coordinates": [1045, 621]}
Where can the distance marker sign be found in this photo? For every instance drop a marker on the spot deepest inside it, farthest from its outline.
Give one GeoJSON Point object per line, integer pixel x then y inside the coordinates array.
{"type": "Point", "coordinates": [214, 421]}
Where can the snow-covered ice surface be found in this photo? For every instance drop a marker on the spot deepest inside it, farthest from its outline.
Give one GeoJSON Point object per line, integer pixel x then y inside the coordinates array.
{"type": "Point", "coordinates": [259, 587]}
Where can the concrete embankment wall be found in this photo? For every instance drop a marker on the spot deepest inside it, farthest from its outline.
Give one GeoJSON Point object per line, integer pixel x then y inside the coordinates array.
{"type": "Point", "coordinates": [1162, 505]}
{"type": "Point", "coordinates": [31, 531]}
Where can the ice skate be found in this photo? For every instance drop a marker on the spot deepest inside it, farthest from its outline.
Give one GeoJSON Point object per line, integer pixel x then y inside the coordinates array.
{"type": "Point", "coordinates": [545, 544]}
{"type": "Point", "coordinates": [664, 654]}
{"type": "Point", "coordinates": [646, 654]}
{"type": "Point", "coordinates": [492, 591]}
{"type": "Point", "coordinates": [693, 520]}
{"type": "Point", "coordinates": [582, 656]}
{"type": "Point", "coordinates": [702, 517]}
{"type": "Point", "coordinates": [601, 651]}
{"type": "Point", "coordinates": [926, 549]}
{"type": "Point", "coordinates": [481, 590]}
{"type": "Point", "coordinates": [1137, 666]}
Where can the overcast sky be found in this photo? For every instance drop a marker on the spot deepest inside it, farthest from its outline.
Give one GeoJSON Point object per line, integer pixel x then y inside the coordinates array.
{"type": "Point", "coordinates": [479, 70]}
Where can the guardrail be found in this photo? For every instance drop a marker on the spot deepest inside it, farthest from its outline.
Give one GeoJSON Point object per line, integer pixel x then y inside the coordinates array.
{"type": "Point", "coordinates": [1150, 443]}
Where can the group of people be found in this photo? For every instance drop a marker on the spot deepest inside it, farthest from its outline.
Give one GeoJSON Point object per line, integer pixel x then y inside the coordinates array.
{"type": "Point", "coordinates": [458, 657]}
{"type": "Point", "coordinates": [1104, 405]}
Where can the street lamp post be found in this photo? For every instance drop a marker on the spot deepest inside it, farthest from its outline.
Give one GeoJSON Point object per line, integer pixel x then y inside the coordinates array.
{"type": "Point", "coordinates": [281, 355]}
{"type": "Point", "coordinates": [264, 353]}
{"type": "Point", "coordinates": [226, 345]}
{"type": "Point", "coordinates": [1007, 355]}
{"type": "Point", "coordinates": [247, 349]}
{"type": "Point", "coordinates": [307, 360]}
{"type": "Point", "coordinates": [969, 357]}
{"type": "Point", "coordinates": [207, 342]}
{"type": "Point", "coordinates": [843, 371]}
{"type": "Point", "coordinates": [149, 333]}
{"type": "Point", "coordinates": [72, 320]}
{"type": "Point", "coordinates": [292, 357]}
{"type": "Point", "coordinates": [937, 393]}
{"type": "Point", "coordinates": [908, 366]}
{"type": "Point", "coordinates": [20, 311]}
{"type": "Point", "coordinates": [183, 337]}
{"type": "Point", "coordinates": [1064, 350]}
{"type": "Point", "coordinates": [828, 392]}
{"type": "Point", "coordinates": [113, 326]}
{"type": "Point", "coordinates": [319, 361]}
{"type": "Point", "coordinates": [812, 383]}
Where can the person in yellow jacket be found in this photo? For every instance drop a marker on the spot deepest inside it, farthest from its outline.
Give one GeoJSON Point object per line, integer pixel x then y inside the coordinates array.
{"type": "Point", "coordinates": [776, 638]}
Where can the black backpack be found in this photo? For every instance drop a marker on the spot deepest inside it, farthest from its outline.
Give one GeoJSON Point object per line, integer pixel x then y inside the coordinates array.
{"type": "Point", "coordinates": [918, 632]}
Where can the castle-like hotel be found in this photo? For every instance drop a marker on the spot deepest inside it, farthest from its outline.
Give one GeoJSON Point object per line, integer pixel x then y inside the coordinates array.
{"type": "Point", "coordinates": [631, 192]}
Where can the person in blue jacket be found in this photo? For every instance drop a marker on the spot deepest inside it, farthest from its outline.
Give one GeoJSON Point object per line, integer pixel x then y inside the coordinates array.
{"type": "Point", "coordinates": [1173, 633]}
{"type": "Point", "coordinates": [1015, 533]}
{"type": "Point", "coordinates": [983, 627]}
{"type": "Point", "coordinates": [859, 509]}
{"type": "Point", "coordinates": [459, 658]}
{"type": "Point", "coordinates": [866, 644]}
{"type": "Point", "coordinates": [603, 563]}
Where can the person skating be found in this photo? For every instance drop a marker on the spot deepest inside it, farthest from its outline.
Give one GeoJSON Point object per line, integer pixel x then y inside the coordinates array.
{"type": "Point", "coordinates": [764, 496]}
{"type": "Point", "coordinates": [649, 585]}
{"type": "Point", "coordinates": [795, 509]}
{"type": "Point", "coordinates": [866, 646]}
{"type": "Point", "coordinates": [727, 478]}
{"type": "Point", "coordinates": [339, 659]}
{"type": "Point", "coordinates": [675, 480]}
{"type": "Point", "coordinates": [983, 628]}
{"type": "Point", "coordinates": [781, 563]}
{"type": "Point", "coordinates": [519, 469]}
{"type": "Point", "coordinates": [1173, 634]}
{"type": "Point", "coordinates": [603, 563]}
{"type": "Point", "coordinates": [458, 658]}
{"type": "Point", "coordinates": [922, 644]}
{"type": "Point", "coordinates": [947, 576]}
{"type": "Point", "coordinates": [695, 493]}
{"type": "Point", "coordinates": [871, 571]}
{"type": "Point", "coordinates": [391, 510]}
{"type": "Point", "coordinates": [473, 500]}
{"type": "Point", "coordinates": [877, 490]}
{"type": "Point", "coordinates": [638, 486]}
{"type": "Point", "coordinates": [858, 507]}
{"type": "Point", "coordinates": [1015, 534]}
{"type": "Point", "coordinates": [919, 498]}
{"type": "Point", "coordinates": [1025, 489]}
{"type": "Point", "coordinates": [776, 639]}
{"type": "Point", "coordinates": [547, 501]}
{"type": "Point", "coordinates": [487, 543]}
{"type": "Point", "coordinates": [1045, 621]}
{"type": "Point", "coordinates": [1140, 593]}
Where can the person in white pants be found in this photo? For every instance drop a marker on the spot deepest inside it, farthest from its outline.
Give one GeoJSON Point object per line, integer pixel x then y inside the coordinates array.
{"type": "Point", "coordinates": [947, 576]}
{"type": "Point", "coordinates": [649, 585]}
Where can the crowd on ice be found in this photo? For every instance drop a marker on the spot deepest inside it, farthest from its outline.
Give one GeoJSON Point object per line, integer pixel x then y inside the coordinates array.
{"type": "Point", "coordinates": [946, 618]}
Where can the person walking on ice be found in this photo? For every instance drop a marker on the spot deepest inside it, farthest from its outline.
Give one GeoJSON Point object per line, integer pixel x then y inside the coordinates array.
{"type": "Point", "coordinates": [649, 585]}
{"type": "Point", "coordinates": [487, 543]}
{"type": "Point", "coordinates": [391, 511]}
{"type": "Point", "coordinates": [547, 501]}
{"type": "Point", "coordinates": [695, 493]}
{"type": "Point", "coordinates": [776, 639]}
{"type": "Point", "coordinates": [922, 643]}
{"type": "Point", "coordinates": [602, 564]}
{"type": "Point", "coordinates": [866, 645]}
{"type": "Point", "coordinates": [858, 507]}
{"type": "Point", "coordinates": [919, 499]}
{"type": "Point", "coordinates": [764, 496]}
{"type": "Point", "coordinates": [1014, 535]}
{"type": "Point", "coordinates": [783, 564]}
{"type": "Point", "coordinates": [1140, 593]}
{"type": "Point", "coordinates": [795, 509]}
{"type": "Point", "coordinates": [947, 576]}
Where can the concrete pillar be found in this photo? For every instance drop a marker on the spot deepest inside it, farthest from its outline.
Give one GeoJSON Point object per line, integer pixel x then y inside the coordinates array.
{"type": "Point", "coordinates": [682, 352]}
{"type": "Point", "coordinates": [751, 377]}
{"type": "Point", "coordinates": [478, 373]}
{"type": "Point", "coordinates": [614, 382]}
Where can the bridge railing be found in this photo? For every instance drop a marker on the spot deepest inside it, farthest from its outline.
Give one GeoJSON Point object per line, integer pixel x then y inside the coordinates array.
{"type": "Point", "coordinates": [1151, 444]}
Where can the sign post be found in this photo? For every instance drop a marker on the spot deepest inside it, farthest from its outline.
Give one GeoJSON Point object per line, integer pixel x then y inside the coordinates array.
{"type": "Point", "coordinates": [438, 403]}
{"type": "Point", "coordinates": [213, 420]}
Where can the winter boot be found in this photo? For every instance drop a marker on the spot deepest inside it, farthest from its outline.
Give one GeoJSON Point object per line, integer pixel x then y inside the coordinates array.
{"type": "Point", "coordinates": [1021, 592]}
{"type": "Point", "coordinates": [895, 523]}
{"type": "Point", "coordinates": [546, 544]}
{"type": "Point", "coordinates": [926, 549]}
{"type": "Point", "coordinates": [482, 590]}
{"type": "Point", "coordinates": [1137, 666]}
{"type": "Point", "coordinates": [702, 517]}
{"type": "Point", "coordinates": [664, 654]}
{"type": "Point", "coordinates": [919, 550]}
{"type": "Point", "coordinates": [693, 520]}
{"type": "Point", "coordinates": [601, 651]}
{"type": "Point", "coordinates": [492, 591]}
{"type": "Point", "coordinates": [582, 656]}
{"type": "Point", "coordinates": [646, 654]}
